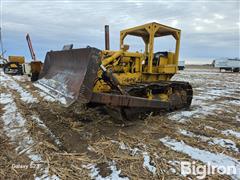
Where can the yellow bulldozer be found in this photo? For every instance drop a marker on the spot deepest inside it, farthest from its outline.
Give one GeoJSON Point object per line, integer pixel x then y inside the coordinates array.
{"type": "Point", "coordinates": [13, 65]}
{"type": "Point", "coordinates": [126, 84]}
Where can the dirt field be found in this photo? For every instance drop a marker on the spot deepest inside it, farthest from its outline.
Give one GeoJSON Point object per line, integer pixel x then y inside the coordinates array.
{"type": "Point", "coordinates": [41, 139]}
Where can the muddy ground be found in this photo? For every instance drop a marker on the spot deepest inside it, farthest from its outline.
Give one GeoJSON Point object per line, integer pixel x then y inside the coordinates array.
{"type": "Point", "coordinates": [80, 143]}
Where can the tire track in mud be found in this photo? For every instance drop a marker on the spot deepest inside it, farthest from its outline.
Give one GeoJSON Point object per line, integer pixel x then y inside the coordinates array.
{"type": "Point", "coordinates": [49, 116]}
{"type": "Point", "coordinates": [75, 126]}
{"type": "Point", "coordinates": [9, 157]}
{"type": "Point", "coordinates": [17, 93]}
{"type": "Point", "coordinates": [50, 153]}
{"type": "Point", "coordinates": [21, 127]}
{"type": "Point", "coordinates": [16, 128]}
{"type": "Point", "coordinates": [65, 123]}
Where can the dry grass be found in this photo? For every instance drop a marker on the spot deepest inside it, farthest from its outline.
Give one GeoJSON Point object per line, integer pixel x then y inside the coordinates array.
{"type": "Point", "coordinates": [90, 138]}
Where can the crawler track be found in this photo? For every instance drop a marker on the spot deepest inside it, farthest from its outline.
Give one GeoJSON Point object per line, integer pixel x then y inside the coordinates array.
{"type": "Point", "coordinates": [137, 105]}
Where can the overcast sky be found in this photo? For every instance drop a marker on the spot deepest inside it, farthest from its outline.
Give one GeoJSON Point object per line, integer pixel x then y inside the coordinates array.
{"type": "Point", "coordinates": [209, 29]}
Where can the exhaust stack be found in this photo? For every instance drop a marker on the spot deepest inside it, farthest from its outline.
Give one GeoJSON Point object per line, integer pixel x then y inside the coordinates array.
{"type": "Point", "coordinates": [107, 41]}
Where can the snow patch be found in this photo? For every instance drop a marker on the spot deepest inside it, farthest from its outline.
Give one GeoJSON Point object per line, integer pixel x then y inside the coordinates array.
{"type": "Point", "coordinates": [234, 102]}
{"type": "Point", "coordinates": [8, 82]}
{"type": "Point", "coordinates": [195, 112]}
{"type": "Point", "coordinates": [46, 177]}
{"type": "Point", "coordinates": [225, 143]}
{"type": "Point", "coordinates": [231, 132]}
{"type": "Point", "coordinates": [148, 163]}
{"type": "Point", "coordinates": [238, 118]}
{"type": "Point", "coordinates": [211, 128]}
{"type": "Point", "coordinates": [216, 160]}
{"type": "Point", "coordinates": [21, 78]}
{"type": "Point", "coordinates": [133, 151]}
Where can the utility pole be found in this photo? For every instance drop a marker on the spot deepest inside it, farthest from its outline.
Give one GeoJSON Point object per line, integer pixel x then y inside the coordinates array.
{"type": "Point", "coordinates": [1, 44]}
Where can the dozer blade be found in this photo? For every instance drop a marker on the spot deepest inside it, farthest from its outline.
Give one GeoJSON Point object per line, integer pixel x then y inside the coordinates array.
{"type": "Point", "coordinates": [69, 75]}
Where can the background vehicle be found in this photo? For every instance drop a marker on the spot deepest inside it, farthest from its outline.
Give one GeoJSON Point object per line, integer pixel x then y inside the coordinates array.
{"type": "Point", "coordinates": [227, 64]}
{"type": "Point", "coordinates": [181, 65]}
{"type": "Point", "coordinates": [34, 67]}
{"type": "Point", "coordinates": [13, 65]}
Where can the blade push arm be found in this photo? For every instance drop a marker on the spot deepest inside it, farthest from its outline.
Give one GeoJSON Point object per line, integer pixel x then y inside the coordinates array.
{"type": "Point", "coordinates": [110, 59]}
{"type": "Point", "coordinates": [108, 75]}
